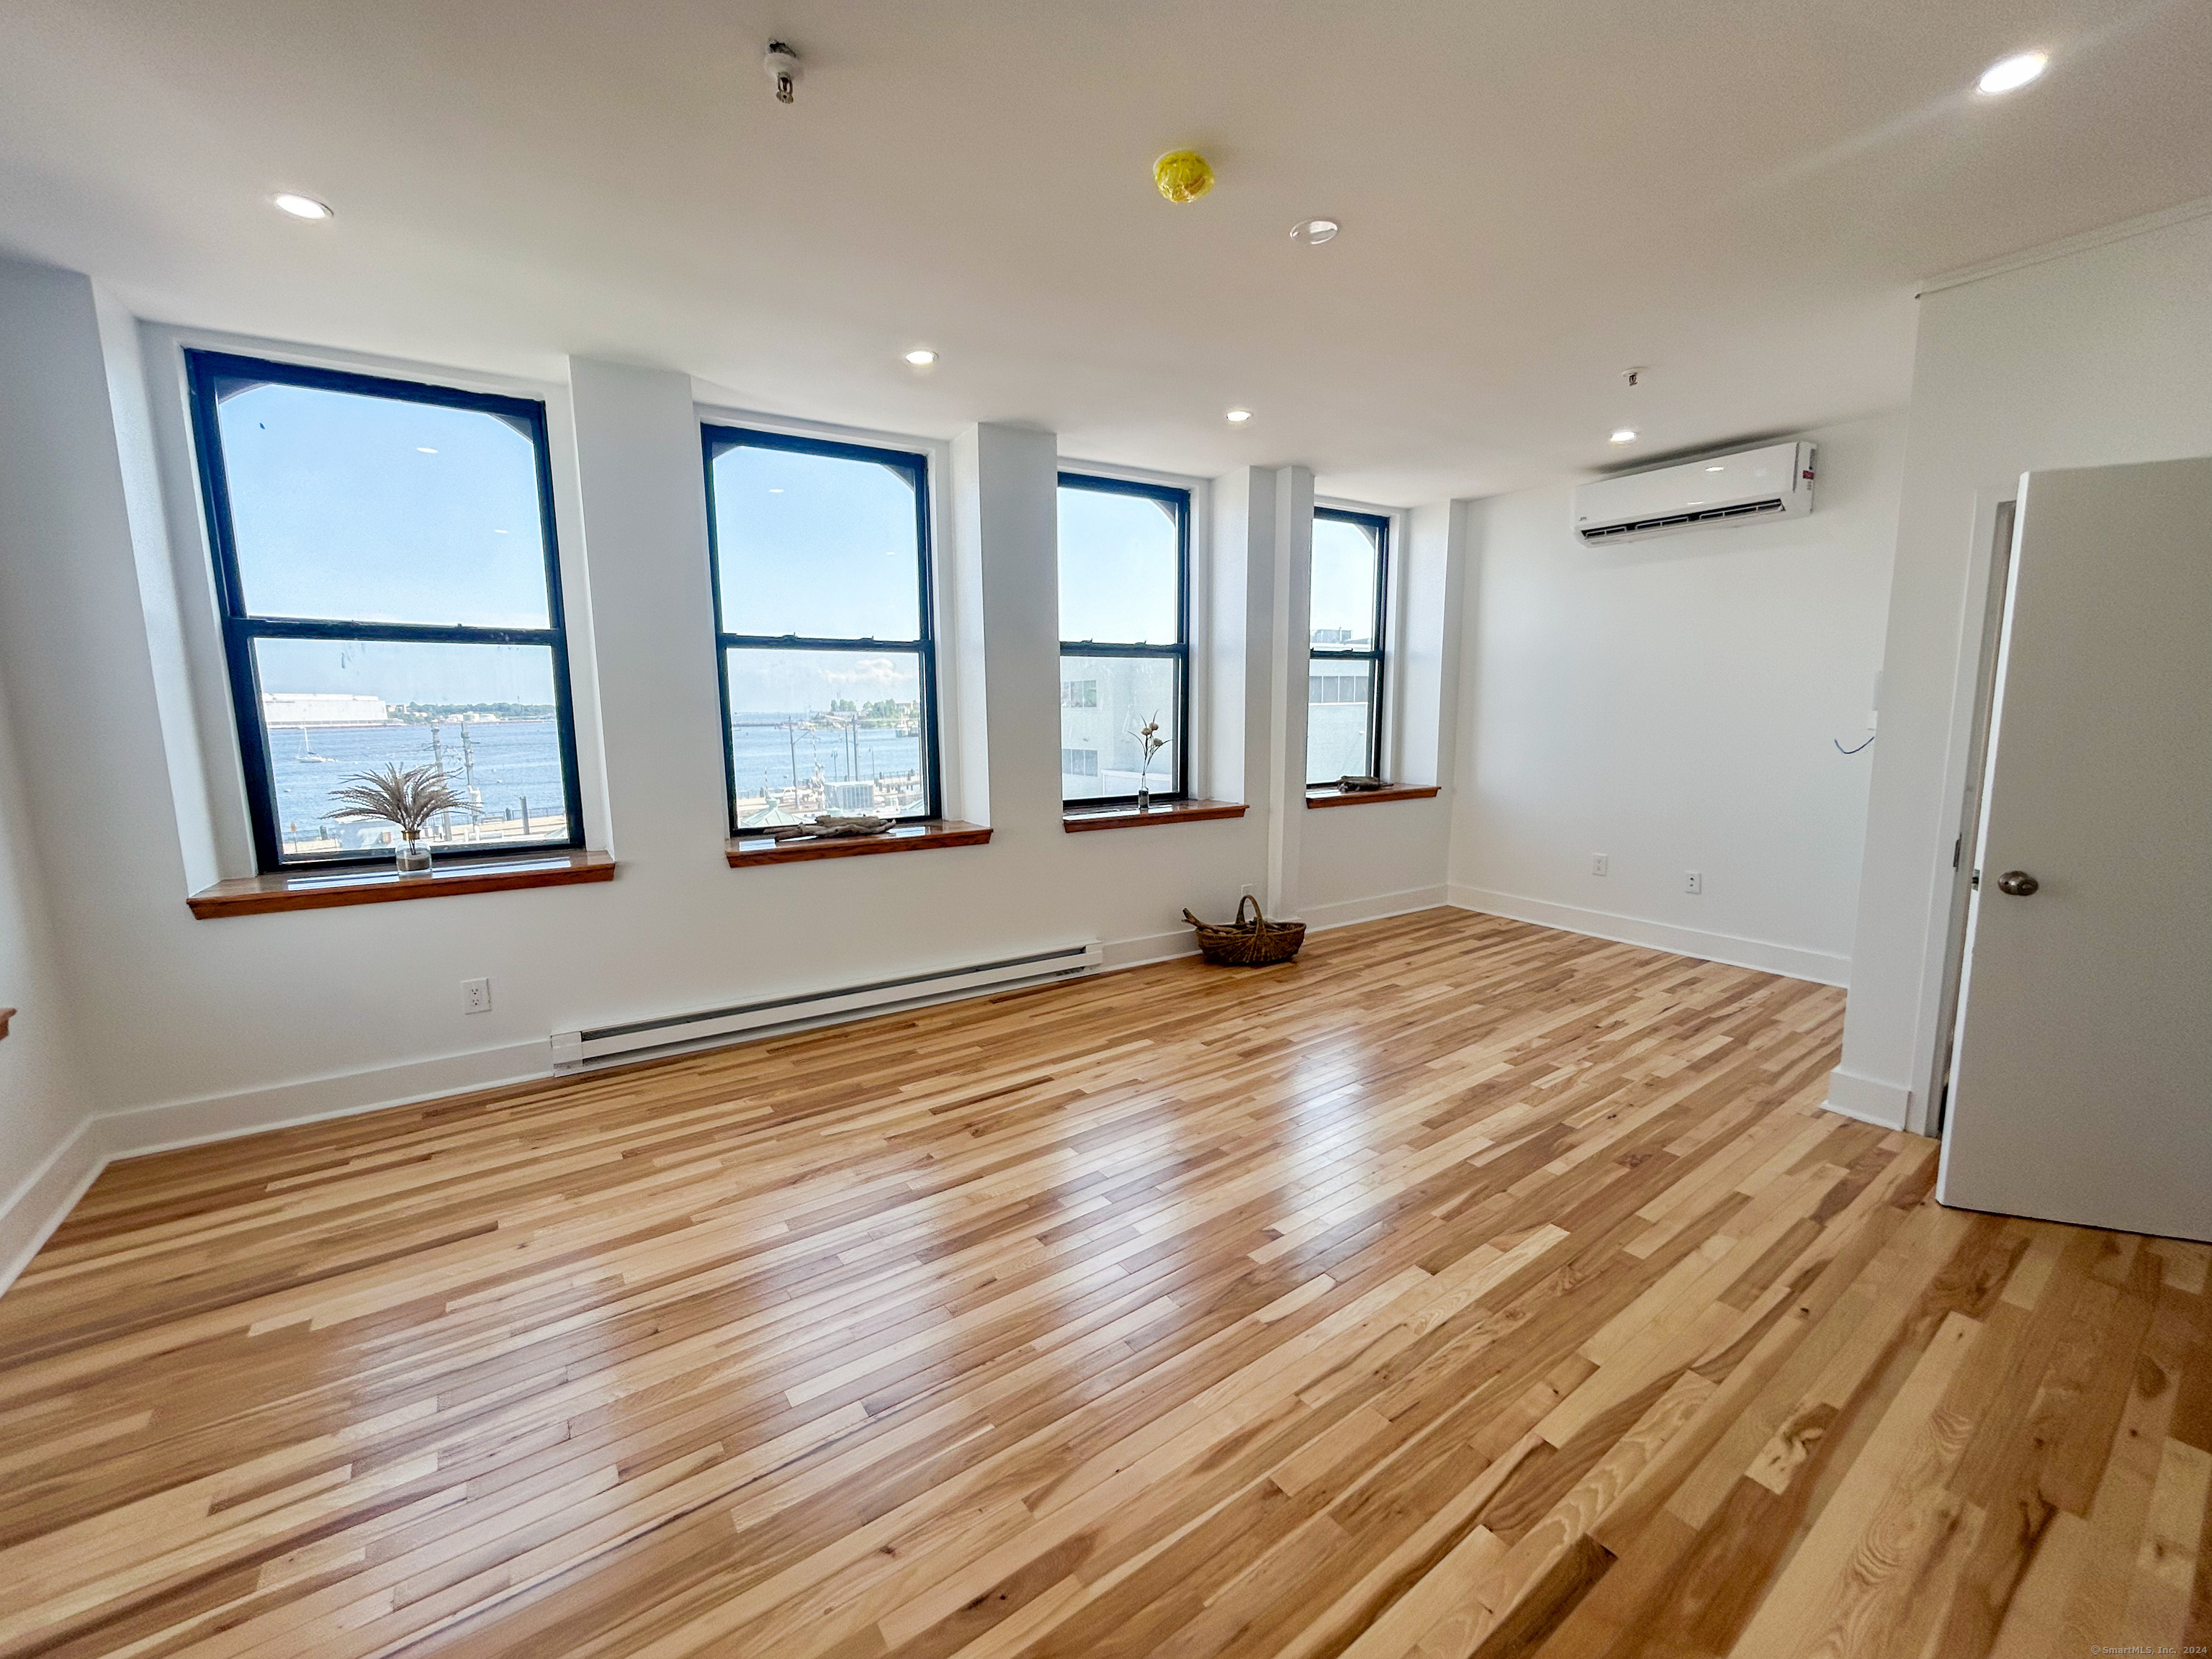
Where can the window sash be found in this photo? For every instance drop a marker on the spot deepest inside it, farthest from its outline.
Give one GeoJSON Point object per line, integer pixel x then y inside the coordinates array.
{"type": "Point", "coordinates": [1380, 527]}
{"type": "Point", "coordinates": [1177, 781]}
{"type": "Point", "coordinates": [1373, 701]}
{"type": "Point", "coordinates": [715, 441]}
{"type": "Point", "coordinates": [241, 627]}
{"type": "Point", "coordinates": [1179, 653]}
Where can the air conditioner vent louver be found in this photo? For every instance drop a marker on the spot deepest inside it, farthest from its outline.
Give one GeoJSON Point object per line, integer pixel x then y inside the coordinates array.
{"type": "Point", "coordinates": [1674, 520]}
{"type": "Point", "coordinates": [1773, 483]}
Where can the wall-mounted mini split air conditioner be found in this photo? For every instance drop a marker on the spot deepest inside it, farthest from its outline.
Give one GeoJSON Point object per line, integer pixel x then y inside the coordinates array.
{"type": "Point", "coordinates": [1754, 484]}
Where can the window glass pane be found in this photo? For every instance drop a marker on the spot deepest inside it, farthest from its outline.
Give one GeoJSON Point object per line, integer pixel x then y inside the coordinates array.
{"type": "Point", "coordinates": [1345, 560]}
{"type": "Point", "coordinates": [1120, 579]}
{"type": "Point", "coordinates": [815, 545]}
{"type": "Point", "coordinates": [825, 732]}
{"type": "Point", "coordinates": [1105, 701]}
{"type": "Point", "coordinates": [377, 510]}
{"type": "Point", "coordinates": [332, 709]}
{"type": "Point", "coordinates": [1339, 705]}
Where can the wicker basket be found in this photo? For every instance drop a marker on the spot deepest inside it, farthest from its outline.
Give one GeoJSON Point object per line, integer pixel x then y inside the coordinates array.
{"type": "Point", "coordinates": [1254, 944]}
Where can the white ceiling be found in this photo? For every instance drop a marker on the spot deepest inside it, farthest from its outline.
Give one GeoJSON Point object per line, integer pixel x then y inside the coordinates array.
{"type": "Point", "coordinates": [1738, 193]}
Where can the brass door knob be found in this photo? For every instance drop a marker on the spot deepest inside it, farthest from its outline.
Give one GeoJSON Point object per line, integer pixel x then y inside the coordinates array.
{"type": "Point", "coordinates": [2018, 882]}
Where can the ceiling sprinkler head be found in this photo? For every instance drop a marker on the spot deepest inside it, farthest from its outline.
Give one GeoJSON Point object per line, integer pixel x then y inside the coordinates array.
{"type": "Point", "coordinates": [781, 63]}
{"type": "Point", "coordinates": [1633, 376]}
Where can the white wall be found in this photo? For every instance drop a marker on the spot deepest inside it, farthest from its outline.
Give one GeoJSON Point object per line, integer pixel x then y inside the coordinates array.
{"type": "Point", "coordinates": [43, 1097]}
{"type": "Point", "coordinates": [57, 461]}
{"type": "Point", "coordinates": [1673, 704]}
{"type": "Point", "coordinates": [2098, 356]}
{"type": "Point", "coordinates": [200, 1028]}
{"type": "Point", "coordinates": [1375, 858]}
{"type": "Point", "coordinates": [1354, 855]}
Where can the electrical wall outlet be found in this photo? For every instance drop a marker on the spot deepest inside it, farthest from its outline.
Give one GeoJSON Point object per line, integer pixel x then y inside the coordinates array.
{"type": "Point", "coordinates": [1600, 864]}
{"type": "Point", "coordinates": [1693, 881]}
{"type": "Point", "coordinates": [475, 996]}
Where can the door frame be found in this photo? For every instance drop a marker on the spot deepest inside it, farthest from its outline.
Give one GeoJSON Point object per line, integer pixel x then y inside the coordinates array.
{"type": "Point", "coordinates": [1996, 576]}
{"type": "Point", "coordinates": [1947, 889]}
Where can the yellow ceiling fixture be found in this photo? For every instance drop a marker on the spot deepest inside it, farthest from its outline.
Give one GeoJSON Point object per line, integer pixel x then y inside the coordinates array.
{"type": "Point", "coordinates": [1183, 175]}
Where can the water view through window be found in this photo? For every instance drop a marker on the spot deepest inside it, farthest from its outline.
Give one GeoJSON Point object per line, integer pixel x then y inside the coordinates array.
{"type": "Point", "coordinates": [823, 732]}
{"type": "Point", "coordinates": [386, 574]}
{"type": "Point", "coordinates": [822, 598]}
{"type": "Point", "coordinates": [483, 714]}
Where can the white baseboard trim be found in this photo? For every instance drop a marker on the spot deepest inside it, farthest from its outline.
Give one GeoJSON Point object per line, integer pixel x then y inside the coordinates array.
{"type": "Point", "coordinates": [1166, 947]}
{"type": "Point", "coordinates": [1149, 948]}
{"type": "Point", "coordinates": [210, 1118]}
{"type": "Point", "coordinates": [1868, 1099]}
{"type": "Point", "coordinates": [1374, 908]}
{"type": "Point", "coordinates": [38, 1204]}
{"type": "Point", "coordinates": [40, 1200]}
{"type": "Point", "coordinates": [30, 1215]}
{"type": "Point", "coordinates": [1792, 962]}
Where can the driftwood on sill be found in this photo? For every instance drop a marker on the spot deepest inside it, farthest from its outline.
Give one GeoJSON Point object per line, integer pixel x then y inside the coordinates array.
{"type": "Point", "coordinates": [828, 827]}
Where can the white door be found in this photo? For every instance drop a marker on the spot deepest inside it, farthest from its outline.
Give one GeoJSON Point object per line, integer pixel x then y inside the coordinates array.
{"type": "Point", "coordinates": [2082, 1080]}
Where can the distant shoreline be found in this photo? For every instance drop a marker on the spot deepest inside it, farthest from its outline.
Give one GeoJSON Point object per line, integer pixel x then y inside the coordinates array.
{"type": "Point", "coordinates": [403, 726]}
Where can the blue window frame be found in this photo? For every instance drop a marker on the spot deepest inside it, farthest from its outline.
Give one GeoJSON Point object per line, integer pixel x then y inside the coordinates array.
{"type": "Point", "coordinates": [1125, 637]}
{"type": "Point", "coordinates": [389, 586]}
{"type": "Point", "coordinates": [1349, 619]}
{"type": "Point", "coordinates": [820, 558]}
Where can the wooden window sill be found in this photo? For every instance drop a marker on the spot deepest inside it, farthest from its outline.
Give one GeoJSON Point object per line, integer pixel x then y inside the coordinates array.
{"type": "Point", "coordinates": [323, 890]}
{"type": "Point", "coordinates": [1166, 812]}
{"type": "Point", "coordinates": [1365, 797]}
{"type": "Point", "coordinates": [743, 851]}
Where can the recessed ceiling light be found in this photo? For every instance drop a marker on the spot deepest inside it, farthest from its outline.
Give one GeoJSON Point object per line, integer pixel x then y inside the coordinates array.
{"type": "Point", "coordinates": [1238, 416]}
{"type": "Point", "coordinates": [424, 449]}
{"type": "Point", "coordinates": [1314, 232]}
{"type": "Point", "coordinates": [921, 357]}
{"type": "Point", "coordinates": [300, 207]}
{"type": "Point", "coordinates": [2011, 73]}
{"type": "Point", "coordinates": [1716, 468]}
{"type": "Point", "coordinates": [1624, 435]}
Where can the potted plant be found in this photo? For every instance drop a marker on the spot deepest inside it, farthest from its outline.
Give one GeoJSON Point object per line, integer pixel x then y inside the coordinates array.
{"type": "Point", "coordinates": [406, 800]}
{"type": "Point", "coordinates": [1149, 736]}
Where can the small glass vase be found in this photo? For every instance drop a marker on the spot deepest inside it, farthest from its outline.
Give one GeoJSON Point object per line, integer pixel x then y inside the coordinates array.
{"type": "Point", "coordinates": [1143, 800]}
{"type": "Point", "coordinates": [413, 858]}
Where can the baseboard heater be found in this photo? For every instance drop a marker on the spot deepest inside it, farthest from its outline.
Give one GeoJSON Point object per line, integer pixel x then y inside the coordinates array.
{"type": "Point", "coordinates": [573, 1051]}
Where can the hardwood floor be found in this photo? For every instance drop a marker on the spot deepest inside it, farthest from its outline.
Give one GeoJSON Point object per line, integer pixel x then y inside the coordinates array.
{"type": "Point", "coordinates": [1464, 1288]}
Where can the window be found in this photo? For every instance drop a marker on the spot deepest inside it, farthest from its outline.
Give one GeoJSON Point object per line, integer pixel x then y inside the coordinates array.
{"type": "Point", "coordinates": [822, 611]}
{"type": "Point", "coordinates": [389, 594]}
{"type": "Point", "coordinates": [1344, 694]}
{"type": "Point", "coordinates": [1124, 626]}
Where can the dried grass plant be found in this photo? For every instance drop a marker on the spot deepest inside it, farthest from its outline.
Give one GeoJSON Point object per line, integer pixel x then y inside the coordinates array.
{"type": "Point", "coordinates": [405, 799]}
